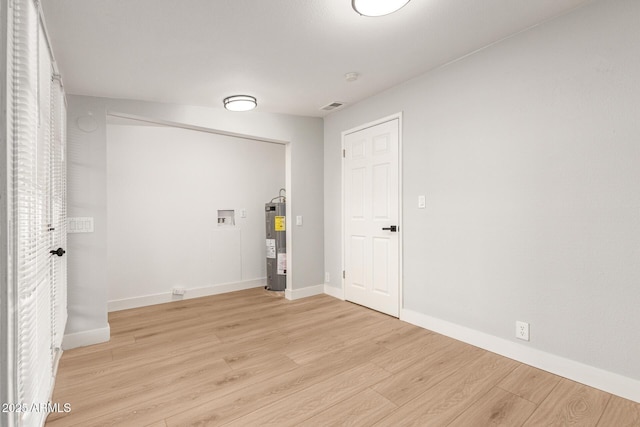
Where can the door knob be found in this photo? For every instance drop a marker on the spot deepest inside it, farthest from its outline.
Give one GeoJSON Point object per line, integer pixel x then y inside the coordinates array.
{"type": "Point", "coordinates": [58, 252]}
{"type": "Point", "coordinates": [392, 228]}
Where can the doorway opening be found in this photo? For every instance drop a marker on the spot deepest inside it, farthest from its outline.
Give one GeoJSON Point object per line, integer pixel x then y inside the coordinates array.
{"type": "Point", "coordinates": [169, 187]}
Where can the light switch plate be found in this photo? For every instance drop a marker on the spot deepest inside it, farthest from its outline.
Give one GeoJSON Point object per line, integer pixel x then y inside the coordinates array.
{"type": "Point", "coordinates": [422, 202]}
{"type": "Point", "coordinates": [80, 225]}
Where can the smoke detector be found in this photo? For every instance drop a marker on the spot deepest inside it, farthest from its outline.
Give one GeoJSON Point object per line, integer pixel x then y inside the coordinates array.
{"type": "Point", "coordinates": [351, 77]}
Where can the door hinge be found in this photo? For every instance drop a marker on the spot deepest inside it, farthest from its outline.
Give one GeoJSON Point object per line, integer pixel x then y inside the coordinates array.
{"type": "Point", "coordinates": [344, 153]}
{"type": "Point", "coordinates": [344, 274]}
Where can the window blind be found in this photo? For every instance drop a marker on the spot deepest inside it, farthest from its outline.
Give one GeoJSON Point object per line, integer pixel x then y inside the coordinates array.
{"type": "Point", "coordinates": [33, 358]}
{"type": "Point", "coordinates": [38, 211]}
{"type": "Point", "coordinates": [7, 285]}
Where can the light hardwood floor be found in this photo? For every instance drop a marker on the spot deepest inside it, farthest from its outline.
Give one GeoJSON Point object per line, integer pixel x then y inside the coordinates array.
{"type": "Point", "coordinates": [252, 358]}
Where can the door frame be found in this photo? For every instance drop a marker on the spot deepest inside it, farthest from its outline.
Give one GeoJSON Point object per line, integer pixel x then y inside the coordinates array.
{"type": "Point", "coordinates": [396, 116]}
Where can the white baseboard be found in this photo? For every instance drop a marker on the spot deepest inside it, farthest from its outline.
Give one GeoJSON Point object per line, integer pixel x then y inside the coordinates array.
{"type": "Point", "coordinates": [309, 291]}
{"type": "Point", "coordinates": [334, 292]}
{"type": "Point", "coordinates": [84, 338]}
{"type": "Point", "coordinates": [610, 382]}
{"type": "Point", "coordinates": [145, 300]}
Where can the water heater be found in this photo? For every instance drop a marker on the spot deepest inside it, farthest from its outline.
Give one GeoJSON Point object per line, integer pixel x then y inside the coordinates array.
{"type": "Point", "coordinates": [276, 230]}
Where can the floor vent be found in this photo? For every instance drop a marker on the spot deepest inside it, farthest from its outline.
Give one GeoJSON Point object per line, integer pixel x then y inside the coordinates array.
{"type": "Point", "coordinates": [332, 106]}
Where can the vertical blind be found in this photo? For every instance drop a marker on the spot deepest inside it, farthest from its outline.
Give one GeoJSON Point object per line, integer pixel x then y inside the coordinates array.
{"type": "Point", "coordinates": [37, 189]}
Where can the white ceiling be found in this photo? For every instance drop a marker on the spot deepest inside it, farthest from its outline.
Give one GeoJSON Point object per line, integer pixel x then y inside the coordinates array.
{"type": "Point", "coordinates": [291, 54]}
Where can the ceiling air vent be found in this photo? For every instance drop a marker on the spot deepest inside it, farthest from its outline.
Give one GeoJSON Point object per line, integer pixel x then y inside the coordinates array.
{"type": "Point", "coordinates": [332, 106]}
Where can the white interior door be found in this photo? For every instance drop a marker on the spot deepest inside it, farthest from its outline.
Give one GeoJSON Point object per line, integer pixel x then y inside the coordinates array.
{"type": "Point", "coordinates": [58, 206]}
{"type": "Point", "coordinates": [371, 216]}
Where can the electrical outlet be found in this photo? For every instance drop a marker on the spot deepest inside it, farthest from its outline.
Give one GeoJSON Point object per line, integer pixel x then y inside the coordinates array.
{"type": "Point", "coordinates": [178, 291]}
{"type": "Point", "coordinates": [327, 277]}
{"type": "Point", "coordinates": [522, 330]}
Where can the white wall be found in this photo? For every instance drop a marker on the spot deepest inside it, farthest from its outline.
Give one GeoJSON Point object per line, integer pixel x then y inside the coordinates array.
{"type": "Point", "coordinates": [528, 153]}
{"type": "Point", "coordinates": [88, 196]}
{"type": "Point", "coordinates": [164, 189]}
{"type": "Point", "coordinates": [86, 252]}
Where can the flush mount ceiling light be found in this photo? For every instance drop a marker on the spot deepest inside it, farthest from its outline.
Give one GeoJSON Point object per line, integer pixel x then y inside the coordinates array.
{"type": "Point", "coordinates": [377, 7]}
{"type": "Point", "coordinates": [240, 103]}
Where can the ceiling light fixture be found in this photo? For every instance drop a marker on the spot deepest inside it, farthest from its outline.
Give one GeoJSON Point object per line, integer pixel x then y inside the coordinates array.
{"type": "Point", "coordinates": [377, 7]}
{"type": "Point", "coordinates": [240, 103]}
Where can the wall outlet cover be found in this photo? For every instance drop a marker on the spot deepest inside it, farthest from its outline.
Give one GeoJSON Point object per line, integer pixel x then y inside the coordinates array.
{"type": "Point", "coordinates": [522, 330]}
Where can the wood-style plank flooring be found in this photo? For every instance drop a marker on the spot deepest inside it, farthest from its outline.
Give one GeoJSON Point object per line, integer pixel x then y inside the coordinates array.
{"type": "Point", "coordinates": [252, 358]}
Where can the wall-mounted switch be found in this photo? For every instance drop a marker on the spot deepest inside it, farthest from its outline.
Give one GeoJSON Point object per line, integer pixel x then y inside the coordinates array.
{"type": "Point", "coordinates": [299, 220]}
{"type": "Point", "coordinates": [80, 225]}
{"type": "Point", "coordinates": [422, 202]}
{"type": "Point", "coordinates": [243, 213]}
